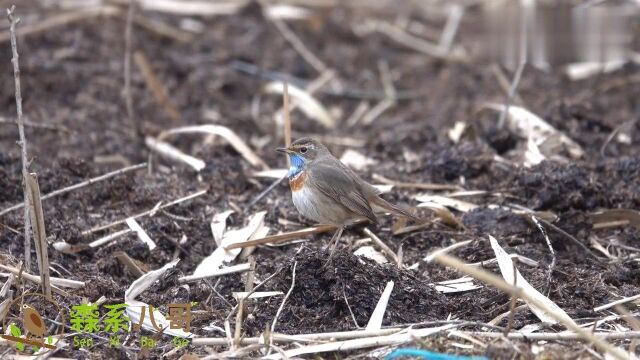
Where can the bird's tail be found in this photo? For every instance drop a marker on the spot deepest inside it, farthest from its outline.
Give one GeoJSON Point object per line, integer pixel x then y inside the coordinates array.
{"type": "Point", "coordinates": [378, 202]}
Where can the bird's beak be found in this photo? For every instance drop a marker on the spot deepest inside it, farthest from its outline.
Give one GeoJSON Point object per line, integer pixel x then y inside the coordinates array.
{"type": "Point", "coordinates": [283, 150]}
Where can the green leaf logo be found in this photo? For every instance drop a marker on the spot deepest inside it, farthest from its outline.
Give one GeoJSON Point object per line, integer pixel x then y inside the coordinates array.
{"type": "Point", "coordinates": [15, 331]}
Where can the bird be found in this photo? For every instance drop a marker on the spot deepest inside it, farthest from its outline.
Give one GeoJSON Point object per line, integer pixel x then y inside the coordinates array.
{"type": "Point", "coordinates": [32, 322]}
{"type": "Point", "coordinates": [327, 191]}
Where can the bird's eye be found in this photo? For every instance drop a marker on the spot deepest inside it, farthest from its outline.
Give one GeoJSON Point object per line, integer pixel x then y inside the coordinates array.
{"type": "Point", "coordinates": [303, 150]}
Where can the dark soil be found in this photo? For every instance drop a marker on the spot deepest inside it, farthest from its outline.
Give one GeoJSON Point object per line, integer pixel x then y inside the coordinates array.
{"type": "Point", "coordinates": [72, 81]}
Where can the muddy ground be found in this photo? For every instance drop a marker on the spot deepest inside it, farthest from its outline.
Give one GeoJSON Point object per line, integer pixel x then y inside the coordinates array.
{"type": "Point", "coordinates": [72, 81]}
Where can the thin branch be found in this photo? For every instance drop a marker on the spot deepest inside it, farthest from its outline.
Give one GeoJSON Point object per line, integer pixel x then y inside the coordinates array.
{"type": "Point", "coordinates": [144, 213]}
{"type": "Point", "coordinates": [299, 46]}
{"type": "Point", "coordinates": [284, 301]}
{"type": "Point", "coordinates": [384, 247]}
{"type": "Point", "coordinates": [499, 283]}
{"type": "Point", "coordinates": [519, 71]}
{"type": "Point", "coordinates": [128, 35]}
{"type": "Point", "coordinates": [80, 185]}
{"type": "Point", "coordinates": [23, 141]}
{"type": "Point", "coordinates": [39, 233]}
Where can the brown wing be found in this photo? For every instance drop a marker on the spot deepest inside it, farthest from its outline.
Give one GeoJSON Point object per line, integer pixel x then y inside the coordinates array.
{"type": "Point", "coordinates": [337, 184]}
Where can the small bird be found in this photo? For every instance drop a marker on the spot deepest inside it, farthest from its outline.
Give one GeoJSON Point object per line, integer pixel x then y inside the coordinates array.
{"type": "Point", "coordinates": [32, 322]}
{"type": "Point", "coordinates": [325, 190]}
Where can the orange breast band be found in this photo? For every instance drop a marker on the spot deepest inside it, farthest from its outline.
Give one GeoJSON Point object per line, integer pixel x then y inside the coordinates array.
{"type": "Point", "coordinates": [297, 182]}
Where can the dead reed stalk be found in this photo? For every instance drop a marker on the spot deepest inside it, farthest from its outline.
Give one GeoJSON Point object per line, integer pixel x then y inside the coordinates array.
{"type": "Point", "coordinates": [13, 21]}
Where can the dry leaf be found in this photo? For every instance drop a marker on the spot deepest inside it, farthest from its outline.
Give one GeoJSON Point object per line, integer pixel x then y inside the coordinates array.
{"type": "Point", "coordinates": [526, 124]}
{"type": "Point", "coordinates": [236, 142]}
{"type": "Point", "coordinates": [375, 321]}
{"type": "Point", "coordinates": [134, 307]}
{"type": "Point", "coordinates": [371, 253]}
{"type": "Point", "coordinates": [355, 160]}
{"type": "Point", "coordinates": [309, 105]}
{"type": "Point", "coordinates": [462, 284]}
{"type": "Point", "coordinates": [506, 268]}
{"type": "Point", "coordinates": [220, 255]}
{"type": "Point", "coordinates": [462, 206]}
{"type": "Point", "coordinates": [171, 152]}
{"type": "Point", "coordinates": [219, 225]}
{"type": "Point", "coordinates": [142, 235]}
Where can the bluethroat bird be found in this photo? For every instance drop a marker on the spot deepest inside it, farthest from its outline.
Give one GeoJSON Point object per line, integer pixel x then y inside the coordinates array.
{"type": "Point", "coordinates": [327, 191]}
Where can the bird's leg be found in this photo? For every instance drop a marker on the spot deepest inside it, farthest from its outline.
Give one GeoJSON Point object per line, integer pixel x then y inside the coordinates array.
{"type": "Point", "coordinates": [333, 244]}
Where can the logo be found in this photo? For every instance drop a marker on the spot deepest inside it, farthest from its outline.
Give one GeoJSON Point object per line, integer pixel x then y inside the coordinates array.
{"type": "Point", "coordinates": [34, 323]}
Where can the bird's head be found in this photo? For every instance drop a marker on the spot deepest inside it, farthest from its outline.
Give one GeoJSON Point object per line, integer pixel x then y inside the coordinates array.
{"type": "Point", "coordinates": [302, 152]}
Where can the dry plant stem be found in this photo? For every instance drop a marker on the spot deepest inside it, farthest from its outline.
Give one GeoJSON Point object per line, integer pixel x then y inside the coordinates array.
{"type": "Point", "coordinates": [514, 299]}
{"type": "Point", "coordinates": [144, 213]}
{"type": "Point", "coordinates": [499, 283]}
{"type": "Point", "coordinates": [570, 237]}
{"type": "Point", "coordinates": [410, 185]}
{"type": "Point", "coordinates": [299, 46]}
{"type": "Point", "coordinates": [386, 249]}
{"type": "Point", "coordinates": [553, 253]}
{"type": "Point", "coordinates": [163, 29]}
{"type": "Point", "coordinates": [36, 279]}
{"type": "Point", "coordinates": [267, 190]}
{"type": "Point", "coordinates": [287, 119]}
{"type": "Point", "coordinates": [558, 336]}
{"type": "Point", "coordinates": [23, 141]}
{"type": "Point", "coordinates": [632, 321]}
{"type": "Point", "coordinates": [519, 71]}
{"type": "Point", "coordinates": [284, 301]}
{"type": "Point", "coordinates": [39, 233]}
{"type": "Point", "coordinates": [505, 85]}
{"type": "Point", "coordinates": [155, 85]}
{"type": "Point", "coordinates": [284, 338]}
{"type": "Point", "coordinates": [63, 19]}
{"type": "Point", "coordinates": [275, 239]}
{"type": "Point", "coordinates": [617, 302]}
{"type": "Point", "coordinates": [79, 185]}
{"type": "Point", "coordinates": [128, 35]}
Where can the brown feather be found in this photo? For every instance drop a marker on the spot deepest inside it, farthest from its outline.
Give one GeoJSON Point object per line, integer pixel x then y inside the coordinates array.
{"type": "Point", "coordinates": [394, 209]}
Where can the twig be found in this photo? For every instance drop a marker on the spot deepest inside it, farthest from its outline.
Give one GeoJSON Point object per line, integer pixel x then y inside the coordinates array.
{"type": "Point", "coordinates": [80, 185]}
{"type": "Point", "coordinates": [287, 119]}
{"type": "Point", "coordinates": [553, 253]}
{"type": "Point", "coordinates": [23, 141]}
{"type": "Point", "coordinates": [33, 278]}
{"type": "Point", "coordinates": [32, 124]}
{"type": "Point", "coordinates": [155, 85]}
{"type": "Point", "coordinates": [451, 27]}
{"type": "Point", "coordinates": [514, 299]}
{"type": "Point", "coordinates": [163, 29]}
{"type": "Point", "coordinates": [63, 19]}
{"type": "Point", "coordinates": [275, 239]}
{"type": "Point", "coordinates": [558, 336]}
{"type": "Point", "coordinates": [617, 302]}
{"type": "Point", "coordinates": [505, 85]}
{"type": "Point", "coordinates": [224, 271]}
{"type": "Point", "coordinates": [284, 301]}
{"type": "Point", "coordinates": [39, 233]}
{"type": "Point", "coordinates": [416, 43]}
{"type": "Point", "coordinates": [299, 46]}
{"type": "Point", "coordinates": [385, 249]}
{"type": "Point", "coordinates": [632, 321]}
{"type": "Point", "coordinates": [266, 191]}
{"type": "Point", "coordinates": [144, 213]}
{"type": "Point", "coordinates": [410, 185]}
{"type": "Point", "coordinates": [570, 237]}
{"type": "Point", "coordinates": [353, 317]}
{"type": "Point", "coordinates": [128, 262]}
{"type": "Point", "coordinates": [499, 283]}
{"type": "Point", "coordinates": [519, 71]}
{"type": "Point", "coordinates": [128, 35]}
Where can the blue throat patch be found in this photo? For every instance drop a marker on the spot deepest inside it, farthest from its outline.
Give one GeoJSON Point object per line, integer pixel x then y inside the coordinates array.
{"type": "Point", "coordinates": [297, 165]}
